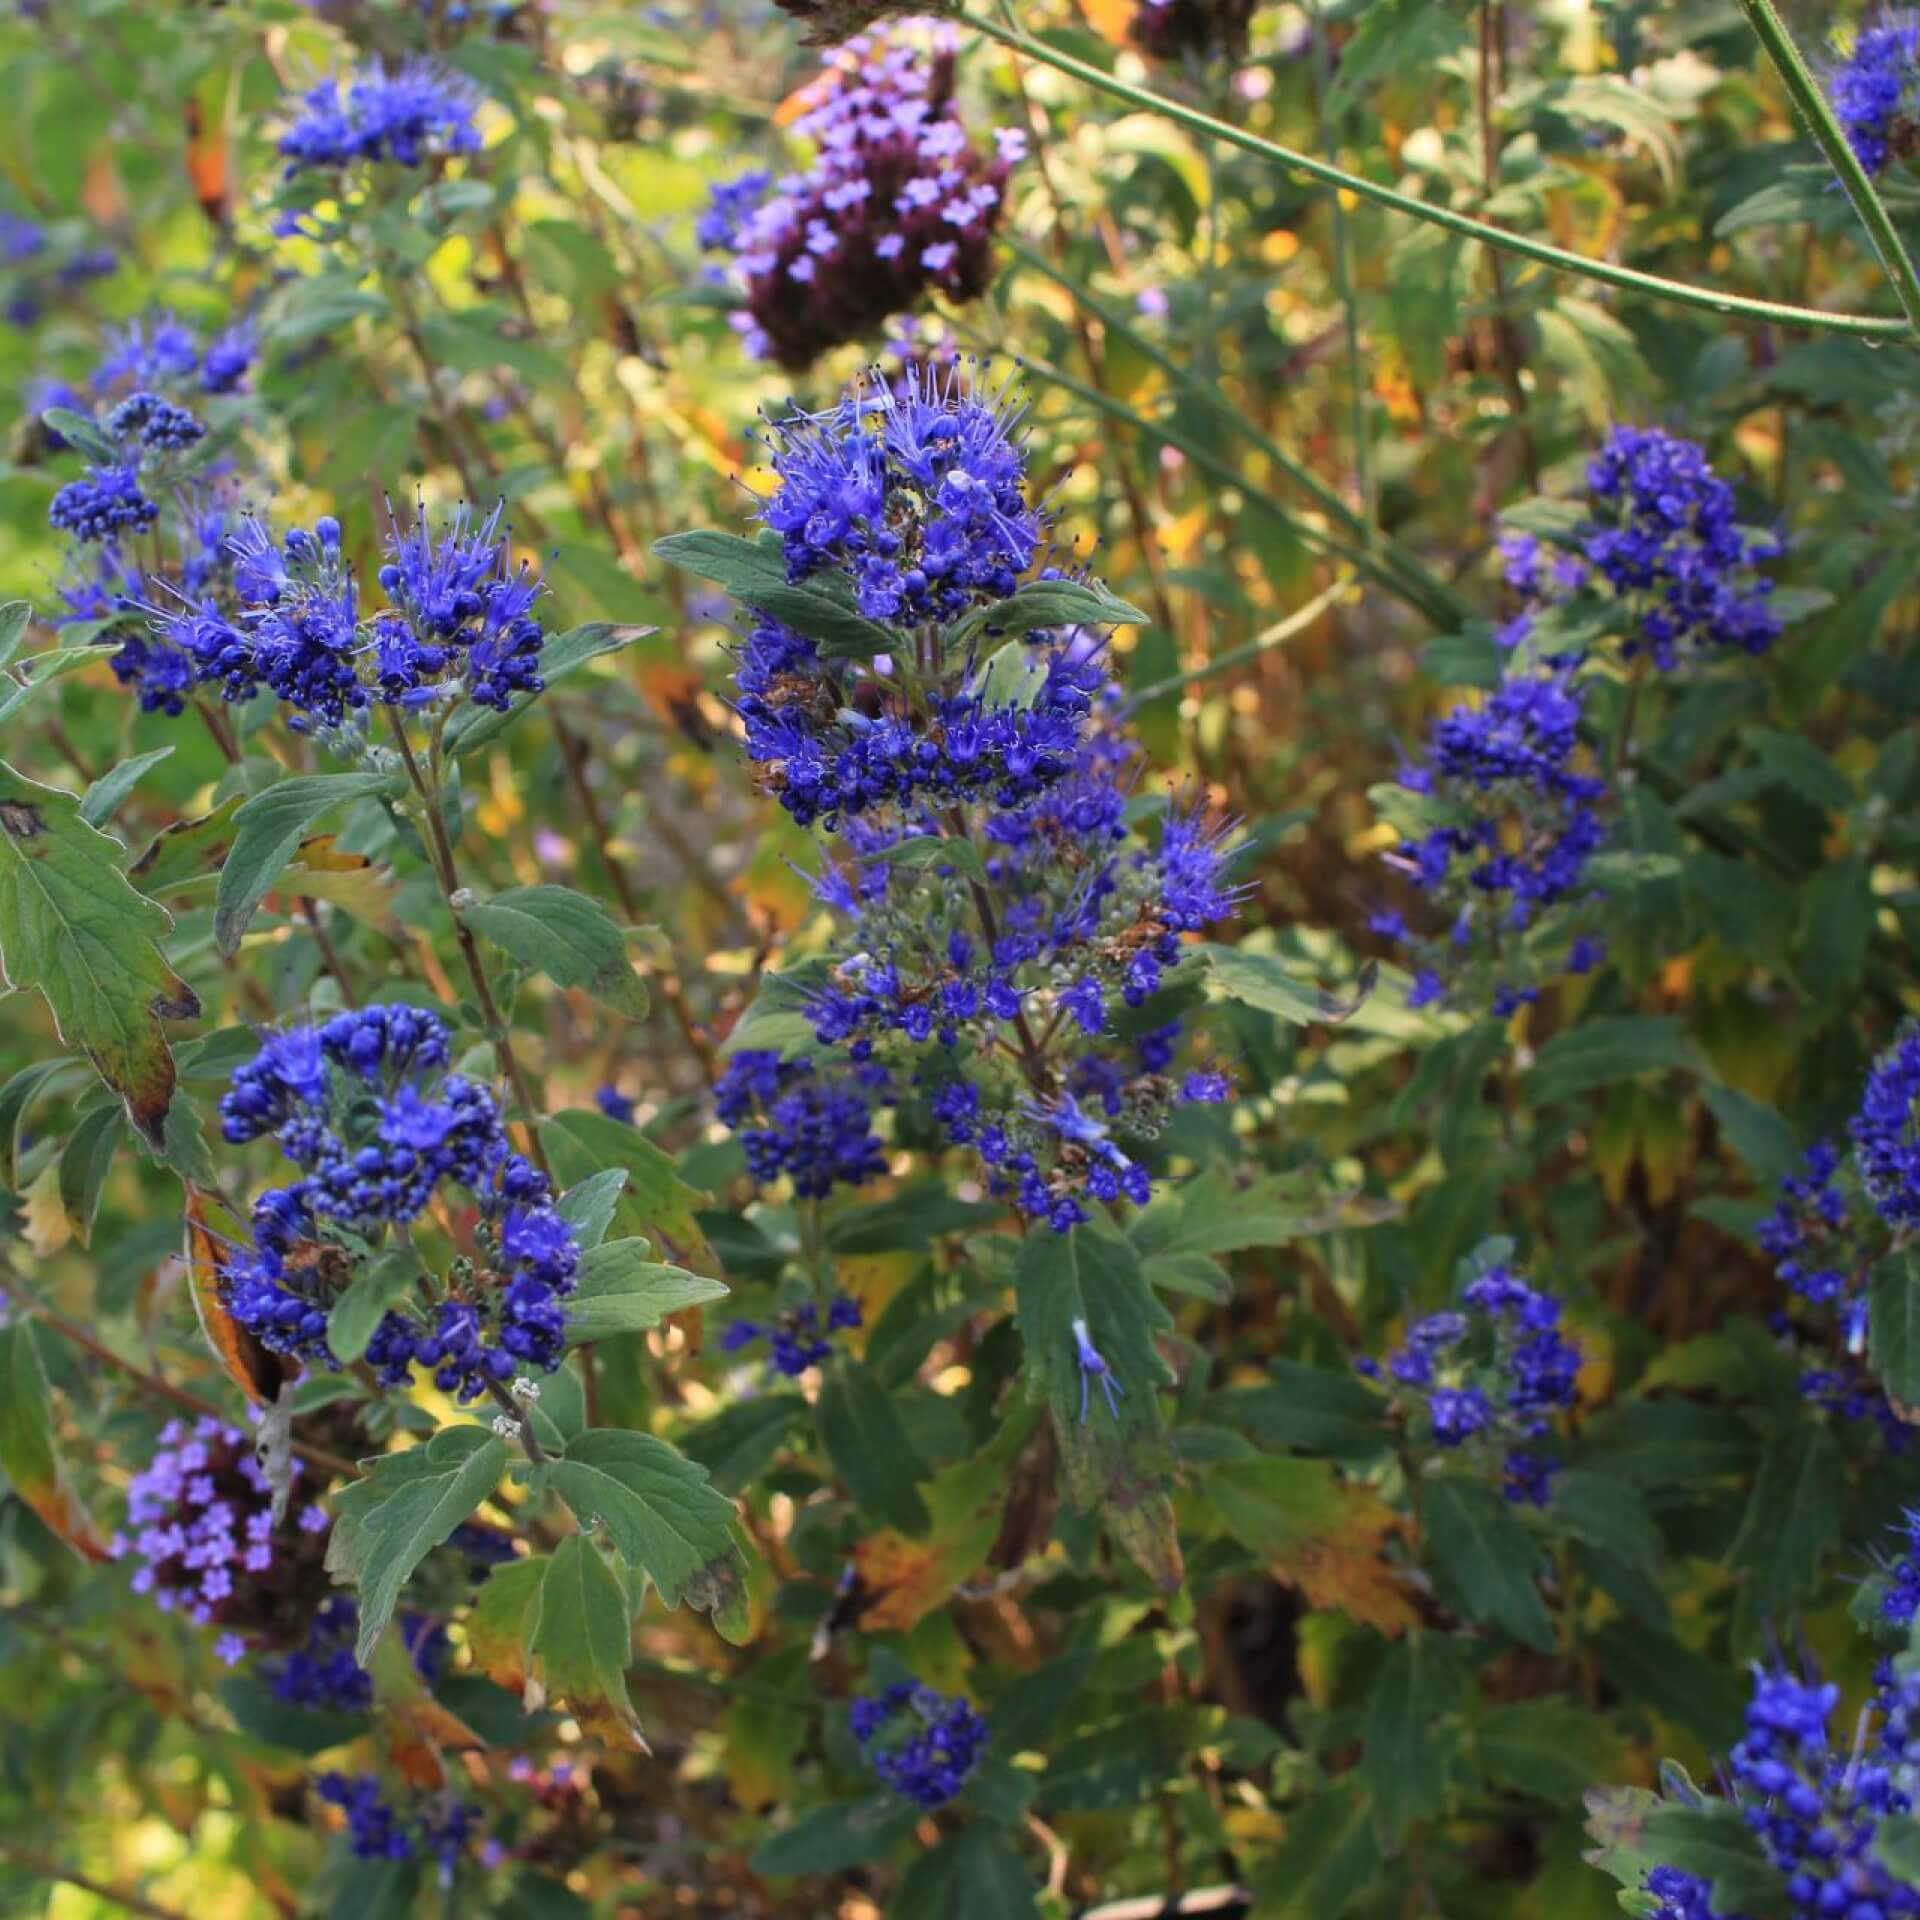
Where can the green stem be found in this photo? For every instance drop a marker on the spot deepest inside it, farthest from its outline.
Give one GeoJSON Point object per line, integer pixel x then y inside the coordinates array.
{"type": "Point", "coordinates": [1343, 287]}
{"type": "Point", "coordinates": [1649, 285]}
{"type": "Point", "coordinates": [1812, 101]}
{"type": "Point", "coordinates": [1274, 636]}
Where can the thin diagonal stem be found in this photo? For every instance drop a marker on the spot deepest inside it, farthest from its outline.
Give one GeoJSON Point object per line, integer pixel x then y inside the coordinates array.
{"type": "Point", "coordinates": [1275, 636]}
{"type": "Point", "coordinates": [1814, 106]}
{"type": "Point", "coordinates": [1648, 285]}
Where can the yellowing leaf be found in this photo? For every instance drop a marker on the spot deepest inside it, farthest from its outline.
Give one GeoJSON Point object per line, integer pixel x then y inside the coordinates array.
{"type": "Point", "coordinates": [47, 1227]}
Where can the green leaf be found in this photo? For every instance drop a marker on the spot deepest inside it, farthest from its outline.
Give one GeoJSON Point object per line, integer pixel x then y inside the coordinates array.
{"type": "Point", "coordinates": [389, 1520]}
{"type": "Point", "coordinates": [1405, 1765]}
{"type": "Point", "coordinates": [268, 830]}
{"type": "Point", "coordinates": [927, 853]}
{"type": "Point", "coordinates": [1550, 1750]}
{"type": "Point", "coordinates": [473, 727]}
{"type": "Point", "coordinates": [82, 434]}
{"type": "Point", "coordinates": [85, 1162]}
{"type": "Point", "coordinates": [757, 576]}
{"type": "Point", "coordinates": [106, 793]}
{"type": "Point", "coordinates": [868, 1445]}
{"type": "Point", "coordinates": [1311, 1408]}
{"type": "Point", "coordinates": [188, 851]}
{"type": "Point", "coordinates": [735, 1446]}
{"type": "Point", "coordinates": [589, 1206]}
{"type": "Point", "coordinates": [662, 1516]}
{"type": "Point", "coordinates": [1329, 1855]}
{"type": "Point", "coordinates": [382, 1282]}
{"type": "Point", "coordinates": [1757, 1133]}
{"type": "Point", "coordinates": [72, 925]}
{"type": "Point", "coordinates": [655, 1200]}
{"type": "Point", "coordinates": [1894, 1325]}
{"type": "Point", "coordinates": [1792, 1516]}
{"type": "Point", "coordinates": [567, 937]}
{"type": "Point", "coordinates": [579, 1636]}
{"type": "Point", "coordinates": [1714, 1841]}
{"type": "Point", "coordinates": [262, 1715]}
{"type": "Point", "coordinates": [16, 1102]}
{"type": "Point", "coordinates": [622, 1290]}
{"type": "Point", "coordinates": [15, 617]}
{"type": "Point", "coordinates": [27, 1450]}
{"type": "Point", "coordinates": [1597, 1053]}
{"type": "Point", "coordinates": [842, 1834]}
{"type": "Point", "coordinates": [42, 669]}
{"type": "Point", "coordinates": [1485, 1560]}
{"type": "Point", "coordinates": [970, 1875]}
{"type": "Point", "coordinates": [1266, 981]}
{"type": "Point", "coordinates": [1115, 1456]}
{"type": "Point", "coordinates": [1043, 604]}
{"type": "Point", "coordinates": [1691, 1690]}
{"type": "Point", "coordinates": [1896, 1845]}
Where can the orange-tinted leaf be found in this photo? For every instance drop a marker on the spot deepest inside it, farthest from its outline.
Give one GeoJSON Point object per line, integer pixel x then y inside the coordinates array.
{"type": "Point", "coordinates": [212, 1231]}
{"type": "Point", "coordinates": [27, 1450]}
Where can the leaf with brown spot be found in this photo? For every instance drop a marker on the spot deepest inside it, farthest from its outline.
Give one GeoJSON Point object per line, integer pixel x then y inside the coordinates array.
{"type": "Point", "coordinates": [414, 1727]}
{"type": "Point", "coordinates": [349, 881]}
{"type": "Point", "coordinates": [27, 1450]}
{"type": "Point", "coordinates": [73, 926]}
{"type": "Point", "coordinates": [1318, 1535]}
{"type": "Point", "coordinates": [497, 1626]}
{"type": "Point", "coordinates": [212, 1230]}
{"type": "Point", "coordinates": [187, 851]}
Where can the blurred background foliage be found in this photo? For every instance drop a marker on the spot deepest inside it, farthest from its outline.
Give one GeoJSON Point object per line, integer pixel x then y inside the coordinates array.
{"type": "Point", "coordinates": [1285, 422]}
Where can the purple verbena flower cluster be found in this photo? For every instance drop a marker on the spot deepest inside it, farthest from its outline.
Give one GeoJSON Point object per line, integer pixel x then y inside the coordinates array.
{"type": "Point", "coordinates": [436, 1827]}
{"type": "Point", "coordinates": [1191, 29]}
{"type": "Point", "coordinates": [897, 202]}
{"type": "Point", "coordinates": [200, 1525]}
{"type": "Point", "coordinates": [796, 1339]}
{"type": "Point", "coordinates": [1492, 1372]}
{"type": "Point", "coordinates": [458, 622]}
{"type": "Point", "coordinates": [1508, 821]}
{"type": "Point", "coordinates": [405, 113]}
{"type": "Point", "coordinates": [919, 1742]}
{"type": "Point", "coordinates": [1872, 88]}
{"type": "Point", "coordinates": [364, 1106]}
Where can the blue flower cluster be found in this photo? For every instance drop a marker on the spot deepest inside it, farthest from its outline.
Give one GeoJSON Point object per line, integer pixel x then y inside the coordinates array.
{"type": "Point", "coordinates": [1492, 1374]}
{"type": "Point", "coordinates": [897, 202]}
{"type": "Point", "coordinates": [38, 266]}
{"type": "Point", "coordinates": [201, 1528]}
{"type": "Point", "coordinates": [920, 1743]}
{"type": "Point", "coordinates": [435, 1827]}
{"type": "Point", "coordinates": [1900, 1591]}
{"type": "Point", "coordinates": [1872, 88]}
{"type": "Point", "coordinates": [1661, 536]}
{"type": "Point", "coordinates": [813, 1126]}
{"type": "Point", "coordinates": [1508, 821]}
{"type": "Point", "coordinates": [364, 1106]}
{"type": "Point", "coordinates": [159, 350]}
{"type": "Point", "coordinates": [323, 1675]}
{"type": "Point", "coordinates": [1007, 917]}
{"type": "Point", "coordinates": [458, 621]}
{"type": "Point", "coordinates": [1818, 1809]}
{"type": "Point", "coordinates": [404, 113]}
{"type": "Point", "coordinates": [795, 1339]}
{"type": "Point", "coordinates": [1886, 1133]}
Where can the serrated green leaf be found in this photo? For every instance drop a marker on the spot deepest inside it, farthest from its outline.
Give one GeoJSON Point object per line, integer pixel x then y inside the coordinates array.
{"type": "Point", "coordinates": [85, 1162]}
{"type": "Point", "coordinates": [1894, 1325]}
{"type": "Point", "coordinates": [867, 1442]}
{"type": "Point", "coordinates": [589, 1207]}
{"type": "Point", "coordinates": [757, 577]}
{"type": "Point", "coordinates": [1405, 1762]}
{"type": "Point", "coordinates": [655, 1199]}
{"type": "Point", "coordinates": [1266, 981]}
{"type": "Point", "coordinates": [1713, 1841]}
{"type": "Point", "coordinates": [99, 801]}
{"type": "Point", "coordinates": [1044, 604]}
{"type": "Point", "coordinates": [622, 1289]}
{"type": "Point", "coordinates": [72, 925]}
{"type": "Point", "coordinates": [268, 830]}
{"type": "Point", "coordinates": [1485, 1559]}
{"type": "Point", "coordinates": [839, 1835]}
{"type": "Point", "coordinates": [27, 1451]}
{"type": "Point", "coordinates": [662, 1516]}
{"type": "Point", "coordinates": [968, 1876]}
{"type": "Point", "coordinates": [1550, 1750]}
{"type": "Point", "coordinates": [579, 1636]}
{"type": "Point", "coordinates": [402, 1507]}
{"type": "Point", "coordinates": [1792, 1516]}
{"type": "Point", "coordinates": [567, 937]}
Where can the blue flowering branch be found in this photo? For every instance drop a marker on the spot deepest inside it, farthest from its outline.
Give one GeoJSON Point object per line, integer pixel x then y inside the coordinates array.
{"type": "Point", "coordinates": [1811, 99]}
{"type": "Point", "coordinates": [1649, 285]}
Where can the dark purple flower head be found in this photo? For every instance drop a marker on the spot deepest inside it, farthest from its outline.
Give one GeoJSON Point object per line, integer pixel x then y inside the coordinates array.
{"type": "Point", "coordinates": [1181, 30]}
{"type": "Point", "coordinates": [435, 1826]}
{"type": "Point", "coordinates": [898, 202]}
{"type": "Point", "coordinates": [797, 1118]}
